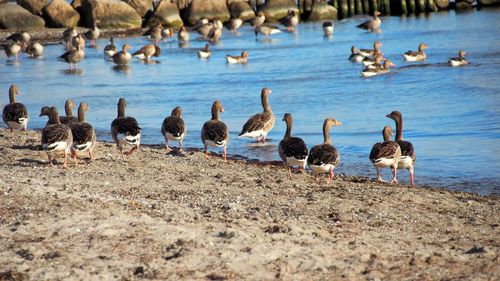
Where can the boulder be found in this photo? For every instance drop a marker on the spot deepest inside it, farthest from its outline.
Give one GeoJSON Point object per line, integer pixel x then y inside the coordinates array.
{"type": "Point", "coordinates": [110, 14]}
{"type": "Point", "coordinates": [213, 9]}
{"type": "Point", "coordinates": [241, 9]}
{"type": "Point", "coordinates": [489, 2]}
{"type": "Point", "coordinates": [76, 4]}
{"type": "Point", "coordinates": [277, 9]}
{"type": "Point", "coordinates": [33, 6]}
{"type": "Point", "coordinates": [60, 14]}
{"type": "Point", "coordinates": [140, 6]}
{"type": "Point", "coordinates": [322, 11]}
{"type": "Point", "coordinates": [166, 13]}
{"type": "Point", "coordinates": [463, 4]}
{"type": "Point", "coordinates": [442, 4]}
{"type": "Point", "coordinates": [15, 17]}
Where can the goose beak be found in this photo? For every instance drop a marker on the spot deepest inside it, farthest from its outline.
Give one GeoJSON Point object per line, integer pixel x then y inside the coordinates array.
{"type": "Point", "coordinates": [222, 110]}
{"type": "Point", "coordinates": [388, 116]}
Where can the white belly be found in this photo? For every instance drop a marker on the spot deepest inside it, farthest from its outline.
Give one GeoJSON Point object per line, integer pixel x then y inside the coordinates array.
{"type": "Point", "coordinates": [383, 162]}
{"type": "Point", "coordinates": [255, 134]}
{"type": "Point", "coordinates": [171, 137]}
{"type": "Point", "coordinates": [368, 73]}
{"type": "Point", "coordinates": [321, 169]}
{"type": "Point", "coordinates": [141, 56]}
{"type": "Point", "coordinates": [203, 54]}
{"type": "Point", "coordinates": [357, 58]}
{"type": "Point", "coordinates": [364, 54]}
{"type": "Point", "coordinates": [82, 147]}
{"type": "Point", "coordinates": [213, 144]}
{"type": "Point", "coordinates": [57, 146]}
{"type": "Point", "coordinates": [292, 161]}
{"type": "Point", "coordinates": [129, 140]}
{"type": "Point", "coordinates": [405, 162]}
{"type": "Point", "coordinates": [109, 54]}
{"type": "Point", "coordinates": [455, 63]}
{"type": "Point", "coordinates": [368, 62]}
{"type": "Point", "coordinates": [328, 30]}
{"type": "Point", "coordinates": [231, 60]}
{"type": "Point", "coordinates": [23, 123]}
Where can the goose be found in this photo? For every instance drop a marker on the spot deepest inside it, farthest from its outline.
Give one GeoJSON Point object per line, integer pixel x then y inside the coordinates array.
{"type": "Point", "coordinates": [368, 72]}
{"type": "Point", "coordinates": [84, 137]}
{"type": "Point", "coordinates": [68, 35]}
{"type": "Point", "coordinates": [146, 52]}
{"type": "Point", "coordinates": [56, 137]}
{"type": "Point", "coordinates": [205, 52]}
{"type": "Point", "coordinates": [234, 24]}
{"type": "Point", "coordinates": [371, 52]}
{"type": "Point", "coordinates": [155, 33]}
{"type": "Point", "coordinates": [73, 56]}
{"type": "Point", "coordinates": [201, 23]}
{"type": "Point", "coordinates": [15, 114]}
{"type": "Point", "coordinates": [69, 118]}
{"type": "Point", "coordinates": [292, 150]}
{"type": "Point", "coordinates": [78, 40]}
{"type": "Point", "coordinates": [93, 34]}
{"type": "Point", "coordinates": [323, 158]}
{"type": "Point", "coordinates": [355, 55]}
{"type": "Point", "coordinates": [260, 124]}
{"type": "Point", "coordinates": [167, 33]}
{"type": "Point", "coordinates": [258, 20]}
{"type": "Point", "coordinates": [458, 61]}
{"type": "Point", "coordinates": [123, 57]}
{"type": "Point", "coordinates": [34, 49]}
{"type": "Point", "coordinates": [183, 35]}
{"type": "Point", "coordinates": [266, 29]}
{"type": "Point", "coordinates": [373, 24]}
{"type": "Point", "coordinates": [328, 28]}
{"type": "Point", "coordinates": [290, 21]}
{"type": "Point", "coordinates": [408, 156]}
{"type": "Point", "coordinates": [173, 127]}
{"type": "Point", "coordinates": [12, 49]}
{"type": "Point", "coordinates": [386, 154]}
{"type": "Point", "coordinates": [22, 38]}
{"type": "Point", "coordinates": [214, 35]}
{"type": "Point", "coordinates": [237, 59]}
{"type": "Point", "coordinates": [110, 49]}
{"type": "Point", "coordinates": [125, 130]}
{"type": "Point", "coordinates": [418, 55]}
{"type": "Point", "coordinates": [214, 132]}
{"type": "Point", "coordinates": [374, 62]}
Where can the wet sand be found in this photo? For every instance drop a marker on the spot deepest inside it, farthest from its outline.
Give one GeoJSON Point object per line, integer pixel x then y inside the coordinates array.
{"type": "Point", "coordinates": [181, 216]}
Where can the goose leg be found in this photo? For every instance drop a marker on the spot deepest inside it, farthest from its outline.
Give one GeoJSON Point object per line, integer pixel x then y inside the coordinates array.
{"type": "Point", "coordinates": [50, 160]}
{"type": "Point", "coordinates": [290, 172]}
{"type": "Point", "coordinates": [330, 177]}
{"type": "Point", "coordinates": [90, 155]}
{"type": "Point", "coordinates": [180, 145]}
{"type": "Point", "coordinates": [73, 154]}
{"type": "Point", "coordinates": [206, 151]}
{"type": "Point", "coordinates": [394, 175]}
{"type": "Point", "coordinates": [412, 178]}
{"type": "Point", "coordinates": [166, 143]}
{"type": "Point", "coordinates": [225, 154]}
{"type": "Point", "coordinates": [379, 177]}
{"type": "Point", "coordinates": [65, 164]}
{"type": "Point", "coordinates": [131, 150]}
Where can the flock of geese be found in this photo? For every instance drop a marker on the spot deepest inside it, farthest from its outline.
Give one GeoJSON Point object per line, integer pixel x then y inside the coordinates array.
{"type": "Point", "coordinates": [73, 135]}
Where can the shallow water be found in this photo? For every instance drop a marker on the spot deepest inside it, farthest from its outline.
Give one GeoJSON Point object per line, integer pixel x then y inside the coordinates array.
{"type": "Point", "coordinates": [451, 115]}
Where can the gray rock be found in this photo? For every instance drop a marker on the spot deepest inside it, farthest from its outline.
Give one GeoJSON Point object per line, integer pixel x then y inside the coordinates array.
{"type": "Point", "coordinates": [60, 14]}
{"type": "Point", "coordinates": [110, 14]}
{"type": "Point", "coordinates": [463, 4]}
{"type": "Point", "coordinates": [140, 6]}
{"type": "Point", "coordinates": [213, 9]}
{"type": "Point", "coordinates": [241, 9]}
{"type": "Point", "coordinates": [15, 17]}
{"type": "Point", "coordinates": [277, 9]}
{"type": "Point", "coordinates": [442, 4]}
{"type": "Point", "coordinates": [489, 2]}
{"type": "Point", "coordinates": [322, 11]}
{"type": "Point", "coordinates": [166, 13]}
{"type": "Point", "coordinates": [33, 6]}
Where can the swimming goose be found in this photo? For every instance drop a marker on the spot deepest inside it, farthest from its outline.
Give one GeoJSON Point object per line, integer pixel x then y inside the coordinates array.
{"type": "Point", "coordinates": [234, 24]}
{"type": "Point", "coordinates": [323, 158]}
{"type": "Point", "coordinates": [93, 34]}
{"type": "Point", "coordinates": [372, 24]}
{"type": "Point", "coordinates": [183, 35]}
{"type": "Point", "coordinates": [214, 132]}
{"type": "Point", "coordinates": [34, 49]}
{"type": "Point", "coordinates": [22, 38]}
{"type": "Point", "coordinates": [328, 28]}
{"type": "Point", "coordinates": [266, 29]}
{"type": "Point", "coordinates": [368, 72]}
{"type": "Point", "coordinates": [261, 123]}
{"type": "Point", "coordinates": [386, 155]}
{"type": "Point", "coordinates": [69, 118]}
{"type": "Point", "coordinates": [458, 61]}
{"type": "Point", "coordinates": [56, 137]}
{"type": "Point", "coordinates": [68, 35]}
{"type": "Point", "coordinates": [373, 62]}
{"type": "Point", "coordinates": [84, 137]}
{"type": "Point", "coordinates": [146, 52]}
{"type": "Point", "coordinates": [12, 49]}
{"type": "Point", "coordinates": [355, 55]}
{"type": "Point", "coordinates": [125, 130]}
{"type": "Point", "coordinates": [408, 156]}
{"type": "Point", "coordinates": [290, 21]}
{"type": "Point", "coordinates": [110, 49]}
{"type": "Point", "coordinates": [371, 52]}
{"type": "Point", "coordinates": [292, 150]}
{"type": "Point", "coordinates": [73, 56]}
{"type": "Point", "coordinates": [258, 20]}
{"type": "Point", "coordinates": [418, 55]}
{"type": "Point", "coordinates": [15, 114]}
{"type": "Point", "coordinates": [123, 57]}
{"type": "Point", "coordinates": [237, 59]}
{"type": "Point", "coordinates": [173, 127]}
{"type": "Point", "coordinates": [205, 52]}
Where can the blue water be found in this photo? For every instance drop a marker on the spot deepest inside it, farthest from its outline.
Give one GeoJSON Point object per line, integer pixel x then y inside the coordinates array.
{"type": "Point", "coordinates": [451, 115]}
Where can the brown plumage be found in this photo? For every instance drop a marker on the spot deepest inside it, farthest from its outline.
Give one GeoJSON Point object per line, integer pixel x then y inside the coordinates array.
{"type": "Point", "coordinates": [408, 156]}
{"type": "Point", "coordinates": [373, 24]}
{"type": "Point", "coordinates": [292, 150]}
{"type": "Point", "coordinates": [386, 154]}
{"type": "Point", "coordinates": [84, 137]}
{"type": "Point", "coordinates": [258, 20]}
{"type": "Point", "coordinates": [372, 52]}
{"type": "Point", "coordinates": [173, 127]}
{"type": "Point", "coordinates": [73, 56]}
{"type": "Point", "coordinates": [56, 137]}
{"type": "Point", "coordinates": [69, 118]}
{"type": "Point", "coordinates": [290, 20]}
{"type": "Point", "coordinates": [34, 49]}
{"type": "Point", "coordinates": [183, 35]}
{"type": "Point", "coordinates": [125, 130]}
{"type": "Point", "coordinates": [260, 124]}
{"type": "Point", "coordinates": [123, 57]}
{"type": "Point", "coordinates": [418, 55]}
{"type": "Point", "coordinates": [12, 49]}
{"type": "Point", "coordinates": [214, 132]}
{"type": "Point", "coordinates": [15, 115]}
{"type": "Point", "coordinates": [237, 59]}
{"type": "Point", "coordinates": [147, 52]}
{"type": "Point", "coordinates": [110, 49]}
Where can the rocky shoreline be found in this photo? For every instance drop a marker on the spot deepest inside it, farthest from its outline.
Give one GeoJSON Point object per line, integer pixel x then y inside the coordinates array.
{"type": "Point", "coordinates": [181, 216]}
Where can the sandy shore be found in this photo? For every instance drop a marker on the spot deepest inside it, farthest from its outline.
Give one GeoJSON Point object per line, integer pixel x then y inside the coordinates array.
{"type": "Point", "coordinates": [181, 216]}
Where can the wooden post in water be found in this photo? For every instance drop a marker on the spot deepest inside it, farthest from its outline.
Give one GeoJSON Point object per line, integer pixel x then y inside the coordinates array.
{"type": "Point", "coordinates": [387, 7]}
{"type": "Point", "coordinates": [366, 7]}
{"type": "Point", "coordinates": [420, 6]}
{"type": "Point", "coordinates": [431, 6]}
{"type": "Point", "coordinates": [374, 6]}
{"type": "Point", "coordinates": [404, 9]}
{"type": "Point", "coordinates": [411, 6]}
{"type": "Point", "coordinates": [343, 8]}
{"type": "Point", "coordinates": [351, 7]}
{"type": "Point", "coordinates": [359, 7]}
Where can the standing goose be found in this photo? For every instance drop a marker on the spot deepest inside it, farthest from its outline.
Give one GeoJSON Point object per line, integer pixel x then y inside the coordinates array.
{"type": "Point", "coordinates": [234, 24]}
{"type": "Point", "coordinates": [22, 38]}
{"type": "Point", "coordinates": [290, 21]}
{"type": "Point", "coordinates": [205, 52]}
{"type": "Point", "coordinates": [386, 154]}
{"type": "Point", "coordinates": [12, 49]}
{"type": "Point", "coordinates": [123, 57]}
{"type": "Point", "coordinates": [69, 118]}
{"type": "Point", "coordinates": [215, 34]}
{"type": "Point", "coordinates": [173, 127]}
{"type": "Point", "coordinates": [458, 61]}
{"type": "Point", "coordinates": [183, 35]}
{"type": "Point", "coordinates": [84, 137]}
{"type": "Point", "coordinates": [93, 34]}
{"type": "Point", "coordinates": [373, 24]}
{"type": "Point", "coordinates": [355, 55]}
{"type": "Point", "coordinates": [125, 130]}
{"type": "Point", "coordinates": [146, 52]}
{"type": "Point", "coordinates": [323, 158]}
{"type": "Point", "coordinates": [408, 156]}
{"type": "Point", "coordinates": [418, 55]}
{"type": "Point", "coordinates": [267, 30]}
{"type": "Point", "coordinates": [110, 49]}
{"type": "Point", "coordinates": [78, 40]}
{"type": "Point", "coordinates": [328, 28]}
{"type": "Point", "coordinates": [258, 20]}
{"type": "Point", "coordinates": [237, 59]}
{"type": "Point", "coordinates": [368, 72]}
{"type": "Point", "coordinates": [155, 33]}
{"type": "Point", "coordinates": [15, 114]}
{"type": "Point", "coordinates": [214, 132]}
{"type": "Point", "coordinates": [56, 137]}
{"type": "Point", "coordinates": [261, 123]}
{"type": "Point", "coordinates": [372, 52]}
{"type": "Point", "coordinates": [34, 49]}
{"type": "Point", "coordinates": [68, 35]}
{"type": "Point", "coordinates": [292, 150]}
{"type": "Point", "coordinates": [73, 56]}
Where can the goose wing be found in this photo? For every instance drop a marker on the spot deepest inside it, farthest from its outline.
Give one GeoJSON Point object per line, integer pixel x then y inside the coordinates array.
{"type": "Point", "coordinates": [215, 131]}
{"type": "Point", "coordinates": [173, 125]}
{"type": "Point", "coordinates": [323, 154]}
{"type": "Point", "coordinates": [387, 149]}
{"type": "Point", "coordinates": [82, 132]}
{"type": "Point", "coordinates": [126, 125]}
{"type": "Point", "coordinates": [293, 147]}
{"type": "Point", "coordinates": [14, 111]}
{"type": "Point", "coordinates": [259, 121]}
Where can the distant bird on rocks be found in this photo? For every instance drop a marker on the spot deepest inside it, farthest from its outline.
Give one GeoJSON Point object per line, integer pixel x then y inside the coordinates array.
{"type": "Point", "coordinates": [258, 20]}
{"type": "Point", "coordinates": [373, 24]}
{"type": "Point", "coordinates": [68, 35]}
{"type": "Point", "coordinates": [22, 38]}
{"type": "Point", "coordinates": [234, 24]}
